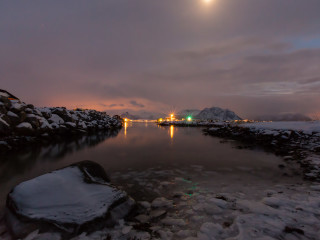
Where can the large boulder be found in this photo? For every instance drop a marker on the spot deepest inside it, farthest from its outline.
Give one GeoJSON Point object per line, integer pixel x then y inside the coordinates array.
{"type": "Point", "coordinates": [71, 200]}
{"type": "Point", "coordinates": [17, 106]}
{"type": "Point", "coordinates": [33, 120]}
{"type": "Point", "coordinates": [4, 127]}
{"type": "Point", "coordinates": [46, 112]}
{"type": "Point", "coordinates": [14, 119]}
{"type": "Point", "coordinates": [24, 128]}
{"type": "Point", "coordinates": [56, 119]}
{"type": "Point", "coordinates": [63, 113]}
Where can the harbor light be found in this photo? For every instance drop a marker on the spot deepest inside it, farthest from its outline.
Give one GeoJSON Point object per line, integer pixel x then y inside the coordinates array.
{"type": "Point", "coordinates": [172, 117]}
{"type": "Point", "coordinates": [189, 118]}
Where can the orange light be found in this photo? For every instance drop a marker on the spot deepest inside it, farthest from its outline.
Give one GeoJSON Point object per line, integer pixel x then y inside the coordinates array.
{"type": "Point", "coordinates": [172, 117]}
{"type": "Point", "coordinates": [126, 120]}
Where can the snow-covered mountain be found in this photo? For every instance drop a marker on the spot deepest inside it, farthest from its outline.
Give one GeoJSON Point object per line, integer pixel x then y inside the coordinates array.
{"type": "Point", "coordinates": [216, 113]}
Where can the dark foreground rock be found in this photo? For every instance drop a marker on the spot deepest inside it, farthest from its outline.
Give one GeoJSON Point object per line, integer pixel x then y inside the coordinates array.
{"type": "Point", "coordinates": [75, 199]}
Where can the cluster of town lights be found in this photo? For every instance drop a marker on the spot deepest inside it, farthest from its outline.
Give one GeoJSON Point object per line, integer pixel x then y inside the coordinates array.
{"type": "Point", "coordinates": [172, 118]}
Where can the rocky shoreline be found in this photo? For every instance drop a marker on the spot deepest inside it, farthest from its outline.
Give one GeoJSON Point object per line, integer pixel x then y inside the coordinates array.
{"type": "Point", "coordinates": [22, 124]}
{"type": "Point", "coordinates": [295, 145]}
{"type": "Point", "coordinates": [185, 204]}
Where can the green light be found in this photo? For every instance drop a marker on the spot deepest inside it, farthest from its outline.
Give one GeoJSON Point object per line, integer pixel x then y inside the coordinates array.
{"type": "Point", "coordinates": [189, 118]}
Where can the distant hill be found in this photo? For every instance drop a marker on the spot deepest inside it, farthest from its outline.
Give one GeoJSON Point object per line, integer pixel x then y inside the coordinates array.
{"type": "Point", "coordinates": [216, 113]}
{"type": "Point", "coordinates": [284, 117]}
{"type": "Point", "coordinates": [129, 116]}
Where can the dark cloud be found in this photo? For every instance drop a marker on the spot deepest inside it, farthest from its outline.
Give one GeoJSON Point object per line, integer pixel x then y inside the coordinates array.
{"type": "Point", "coordinates": [233, 47]}
{"type": "Point", "coordinates": [111, 105]}
{"type": "Point", "coordinates": [310, 80]}
{"type": "Point", "coordinates": [136, 104]}
{"type": "Point", "coordinates": [247, 55]}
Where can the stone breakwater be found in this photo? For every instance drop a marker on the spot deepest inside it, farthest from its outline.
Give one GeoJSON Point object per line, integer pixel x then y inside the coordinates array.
{"type": "Point", "coordinates": [21, 123]}
{"type": "Point", "coordinates": [296, 142]}
{"type": "Point", "coordinates": [297, 146]}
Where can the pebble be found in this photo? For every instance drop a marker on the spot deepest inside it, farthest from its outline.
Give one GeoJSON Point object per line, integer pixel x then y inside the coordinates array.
{"type": "Point", "coordinates": [142, 218]}
{"type": "Point", "coordinates": [173, 221]}
{"type": "Point", "coordinates": [126, 230]}
{"type": "Point", "coordinates": [161, 202]}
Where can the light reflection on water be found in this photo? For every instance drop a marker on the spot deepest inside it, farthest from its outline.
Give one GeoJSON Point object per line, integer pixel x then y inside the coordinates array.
{"type": "Point", "coordinates": [171, 131]}
{"type": "Point", "coordinates": [125, 128]}
{"type": "Point", "coordinates": [141, 146]}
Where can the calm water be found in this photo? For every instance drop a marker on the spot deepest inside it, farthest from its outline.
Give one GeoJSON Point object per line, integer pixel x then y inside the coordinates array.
{"type": "Point", "coordinates": [143, 146]}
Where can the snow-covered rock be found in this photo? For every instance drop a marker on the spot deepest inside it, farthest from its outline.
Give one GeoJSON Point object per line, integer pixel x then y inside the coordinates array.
{"type": "Point", "coordinates": [24, 128]}
{"type": "Point", "coordinates": [56, 119]}
{"type": "Point", "coordinates": [73, 199]}
{"type": "Point", "coordinates": [24, 125]}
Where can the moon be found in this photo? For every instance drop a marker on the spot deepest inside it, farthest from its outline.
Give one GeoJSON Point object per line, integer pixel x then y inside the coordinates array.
{"type": "Point", "coordinates": [207, 1]}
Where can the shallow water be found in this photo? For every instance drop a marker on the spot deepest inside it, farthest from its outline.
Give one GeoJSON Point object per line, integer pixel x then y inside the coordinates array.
{"type": "Point", "coordinates": [145, 147]}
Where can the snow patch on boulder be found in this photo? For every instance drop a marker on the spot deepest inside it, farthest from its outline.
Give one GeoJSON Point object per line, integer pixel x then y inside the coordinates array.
{"type": "Point", "coordinates": [70, 198]}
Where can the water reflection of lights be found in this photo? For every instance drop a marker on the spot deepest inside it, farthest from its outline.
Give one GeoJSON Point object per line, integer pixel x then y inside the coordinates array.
{"type": "Point", "coordinates": [171, 131]}
{"type": "Point", "coordinates": [125, 128]}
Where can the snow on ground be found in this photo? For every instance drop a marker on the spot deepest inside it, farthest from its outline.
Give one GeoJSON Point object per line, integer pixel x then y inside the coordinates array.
{"type": "Point", "coordinates": [206, 205]}
{"type": "Point", "coordinates": [305, 127]}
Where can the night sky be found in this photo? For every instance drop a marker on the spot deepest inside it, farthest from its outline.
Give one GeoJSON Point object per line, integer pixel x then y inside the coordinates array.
{"type": "Point", "coordinates": [252, 56]}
